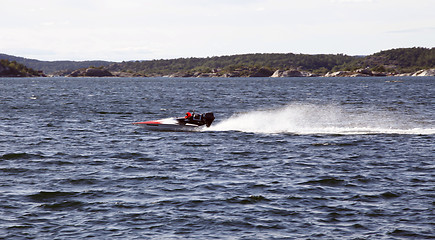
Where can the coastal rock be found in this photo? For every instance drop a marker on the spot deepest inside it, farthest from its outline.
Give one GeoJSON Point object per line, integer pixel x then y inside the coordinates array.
{"type": "Point", "coordinates": [277, 73]}
{"type": "Point", "coordinates": [204, 75]}
{"type": "Point", "coordinates": [364, 72]}
{"type": "Point", "coordinates": [229, 75]}
{"type": "Point", "coordinates": [425, 73]}
{"type": "Point", "coordinates": [379, 74]}
{"type": "Point", "coordinates": [262, 72]}
{"type": "Point", "coordinates": [182, 75]}
{"type": "Point", "coordinates": [359, 75]}
{"type": "Point", "coordinates": [96, 72]}
{"type": "Point", "coordinates": [174, 75]}
{"type": "Point", "coordinates": [127, 74]}
{"type": "Point", "coordinates": [76, 73]}
{"type": "Point", "coordinates": [90, 72]}
{"type": "Point", "coordinates": [403, 75]}
{"type": "Point", "coordinates": [291, 73]}
{"type": "Point", "coordinates": [296, 73]}
{"type": "Point", "coordinates": [288, 73]}
{"type": "Point", "coordinates": [338, 74]}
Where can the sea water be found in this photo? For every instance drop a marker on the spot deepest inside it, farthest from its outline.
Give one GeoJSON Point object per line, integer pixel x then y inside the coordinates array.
{"type": "Point", "coordinates": [286, 158]}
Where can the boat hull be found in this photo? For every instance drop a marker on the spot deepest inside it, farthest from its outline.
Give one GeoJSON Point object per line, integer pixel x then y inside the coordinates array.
{"type": "Point", "coordinates": [167, 125]}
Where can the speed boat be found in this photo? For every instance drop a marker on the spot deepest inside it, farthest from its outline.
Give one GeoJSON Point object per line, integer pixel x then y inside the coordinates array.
{"type": "Point", "coordinates": [191, 122]}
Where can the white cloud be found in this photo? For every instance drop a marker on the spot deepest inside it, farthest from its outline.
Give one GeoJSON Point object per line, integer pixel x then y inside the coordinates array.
{"type": "Point", "coordinates": [352, 1]}
{"type": "Point", "coordinates": [145, 29]}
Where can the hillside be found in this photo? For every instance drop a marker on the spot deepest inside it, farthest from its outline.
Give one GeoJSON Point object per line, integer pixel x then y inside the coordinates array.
{"type": "Point", "coordinates": [400, 60]}
{"type": "Point", "coordinates": [50, 67]}
{"type": "Point", "coordinates": [237, 65]}
{"type": "Point", "coordinates": [14, 69]}
{"type": "Point", "coordinates": [389, 62]}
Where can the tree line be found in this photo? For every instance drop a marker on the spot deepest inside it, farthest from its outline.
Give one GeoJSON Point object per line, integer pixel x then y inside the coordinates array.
{"type": "Point", "coordinates": [15, 69]}
{"type": "Point", "coordinates": [401, 60]}
{"type": "Point", "coordinates": [271, 61]}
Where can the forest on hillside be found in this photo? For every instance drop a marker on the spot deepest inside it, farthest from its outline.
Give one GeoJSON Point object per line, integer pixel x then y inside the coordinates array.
{"type": "Point", "coordinates": [49, 67]}
{"type": "Point", "coordinates": [401, 60]}
{"type": "Point", "coordinates": [388, 62]}
{"type": "Point", "coordinates": [15, 69]}
{"type": "Point", "coordinates": [321, 63]}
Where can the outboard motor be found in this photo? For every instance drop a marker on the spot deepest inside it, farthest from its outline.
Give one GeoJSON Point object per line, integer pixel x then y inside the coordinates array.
{"type": "Point", "coordinates": [208, 118]}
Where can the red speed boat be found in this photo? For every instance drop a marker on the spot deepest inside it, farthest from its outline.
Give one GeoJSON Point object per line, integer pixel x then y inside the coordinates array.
{"type": "Point", "coordinates": [191, 122]}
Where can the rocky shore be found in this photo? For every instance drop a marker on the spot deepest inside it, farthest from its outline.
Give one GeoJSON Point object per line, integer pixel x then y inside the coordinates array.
{"type": "Point", "coordinates": [243, 72]}
{"type": "Point", "coordinates": [415, 61]}
{"type": "Point", "coordinates": [261, 72]}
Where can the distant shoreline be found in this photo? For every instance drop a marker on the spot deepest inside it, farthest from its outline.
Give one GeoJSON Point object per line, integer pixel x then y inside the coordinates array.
{"type": "Point", "coordinates": [415, 61]}
{"type": "Point", "coordinates": [92, 72]}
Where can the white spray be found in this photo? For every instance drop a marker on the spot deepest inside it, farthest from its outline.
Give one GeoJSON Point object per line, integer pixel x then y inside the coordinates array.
{"type": "Point", "coordinates": [320, 119]}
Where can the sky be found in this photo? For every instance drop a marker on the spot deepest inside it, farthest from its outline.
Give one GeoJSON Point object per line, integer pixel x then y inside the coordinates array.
{"type": "Point", "coordinates": [124, 30]}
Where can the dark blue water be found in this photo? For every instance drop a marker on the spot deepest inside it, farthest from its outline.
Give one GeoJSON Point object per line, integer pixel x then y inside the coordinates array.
{"type": "Point", "coordinates": [308, 158]}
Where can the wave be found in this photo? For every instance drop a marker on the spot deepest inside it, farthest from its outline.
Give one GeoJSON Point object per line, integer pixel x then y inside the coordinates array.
{"type": "Point", "coordinates": [19, 155]}
{"type": "Point", "coordinates": [323, 119]}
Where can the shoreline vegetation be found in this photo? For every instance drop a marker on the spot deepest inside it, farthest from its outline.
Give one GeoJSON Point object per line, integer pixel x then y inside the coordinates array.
{"type": "Point", "coordinates": [395, 62]}
{"type": "Point", "coordinates": [15, 69]}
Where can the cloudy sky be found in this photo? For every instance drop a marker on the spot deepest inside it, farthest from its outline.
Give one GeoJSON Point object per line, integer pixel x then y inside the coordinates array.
{"type": "Point", "coordinates": [119, 30]}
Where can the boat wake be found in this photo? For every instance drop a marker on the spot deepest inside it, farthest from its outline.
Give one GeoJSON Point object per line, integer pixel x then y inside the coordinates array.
{"type": "Point", "coordinates": [323, 119]}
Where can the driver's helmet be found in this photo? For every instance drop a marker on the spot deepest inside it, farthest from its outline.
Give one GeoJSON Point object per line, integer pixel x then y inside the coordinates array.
{"type": "Point", "coordinates": [188, 115]}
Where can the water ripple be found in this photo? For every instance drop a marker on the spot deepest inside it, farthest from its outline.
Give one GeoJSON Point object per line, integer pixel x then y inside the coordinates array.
{"type": "Point", "coordinates": [286, 159]}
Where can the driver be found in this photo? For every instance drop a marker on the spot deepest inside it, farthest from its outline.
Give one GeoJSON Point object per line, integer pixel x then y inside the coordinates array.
{"type": "Point", "coordinates": [188, 115]}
